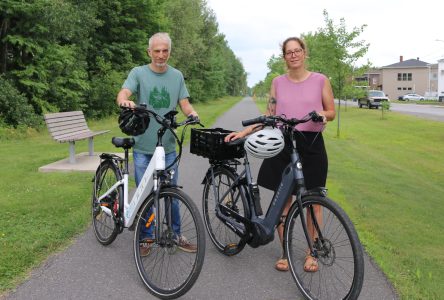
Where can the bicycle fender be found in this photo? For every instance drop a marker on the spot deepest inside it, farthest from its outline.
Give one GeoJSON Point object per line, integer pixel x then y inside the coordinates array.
{"type": "Point", "coordinates": [208, 174]}
{"type": "Point", "coordinates": [318, 191]}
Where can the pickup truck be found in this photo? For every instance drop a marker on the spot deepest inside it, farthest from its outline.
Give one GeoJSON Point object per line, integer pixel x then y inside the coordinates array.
{"type": "Point", "coordinates": [373, 99]}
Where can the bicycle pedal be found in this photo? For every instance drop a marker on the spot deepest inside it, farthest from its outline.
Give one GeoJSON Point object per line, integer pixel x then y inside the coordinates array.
{"type": "Point", "coordinates": [230, 249]}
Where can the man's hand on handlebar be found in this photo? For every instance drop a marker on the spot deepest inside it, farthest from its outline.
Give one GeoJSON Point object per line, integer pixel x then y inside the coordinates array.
{"type": "Point", "coordinates": [127, 103]}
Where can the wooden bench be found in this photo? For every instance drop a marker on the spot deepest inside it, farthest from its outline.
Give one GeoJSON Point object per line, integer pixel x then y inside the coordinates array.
{"type": "Point", "coordinates": [71, 127]}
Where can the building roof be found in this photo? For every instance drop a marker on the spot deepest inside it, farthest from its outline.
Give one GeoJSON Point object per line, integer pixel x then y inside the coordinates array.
{"type": "Point", "coordinates": [410, 63]}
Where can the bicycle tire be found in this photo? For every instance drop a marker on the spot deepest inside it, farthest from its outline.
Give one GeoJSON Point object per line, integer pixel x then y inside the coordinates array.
{"type": "Point", "coordinates": [105, 226]}
{"type": "Point", "coordinates": [340, 271]}
{"type": "Point", "coordinates": [167, 271]}
{"type": "Point", "coordinates": [224, 239]}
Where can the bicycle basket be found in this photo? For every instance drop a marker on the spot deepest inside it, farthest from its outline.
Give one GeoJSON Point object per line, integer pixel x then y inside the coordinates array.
{"type": "Point", "coordinates": [210, 143]}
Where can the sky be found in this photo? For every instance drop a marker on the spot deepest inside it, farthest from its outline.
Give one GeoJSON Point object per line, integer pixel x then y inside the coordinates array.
{"type": "Point", "coordinates": [254, 29]}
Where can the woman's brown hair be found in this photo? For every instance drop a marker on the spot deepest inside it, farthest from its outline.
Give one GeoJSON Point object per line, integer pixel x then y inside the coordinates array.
{"type": "Point", "coordinates": [296, 39]}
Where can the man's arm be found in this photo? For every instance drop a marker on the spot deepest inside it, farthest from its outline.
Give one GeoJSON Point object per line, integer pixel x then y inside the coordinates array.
{"type": "Point", "coordinates": [123, 98]}
{"type": "Point", "coordinates": [186, 108]}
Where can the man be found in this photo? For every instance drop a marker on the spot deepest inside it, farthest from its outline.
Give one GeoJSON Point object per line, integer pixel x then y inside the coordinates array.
{"type": "Point", "coordinates": [161, 87]}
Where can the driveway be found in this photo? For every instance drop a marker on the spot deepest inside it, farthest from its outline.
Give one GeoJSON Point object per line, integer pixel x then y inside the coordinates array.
{"type": "Point", "coordinates": [88, 270]}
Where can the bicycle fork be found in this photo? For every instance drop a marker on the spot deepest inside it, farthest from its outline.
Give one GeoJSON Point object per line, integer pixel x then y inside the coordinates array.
{"type": "Point", "coordinates": [164, 237]}
{"type": "Point", "coordinates": [299, 178]}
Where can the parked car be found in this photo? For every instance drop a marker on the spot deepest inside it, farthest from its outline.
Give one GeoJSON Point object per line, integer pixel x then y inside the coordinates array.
{"type": "Point", "coordinates": [409, 97]}
{"type": "Point", "coordinates": [374, 99]}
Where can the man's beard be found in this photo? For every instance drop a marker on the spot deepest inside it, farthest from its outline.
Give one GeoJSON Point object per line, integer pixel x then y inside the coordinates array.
{"type": "Point", "coordinates": [161, 65]}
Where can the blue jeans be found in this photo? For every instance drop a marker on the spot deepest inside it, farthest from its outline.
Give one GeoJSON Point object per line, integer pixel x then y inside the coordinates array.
{"type": "Point", "coordinates": [141, 162]}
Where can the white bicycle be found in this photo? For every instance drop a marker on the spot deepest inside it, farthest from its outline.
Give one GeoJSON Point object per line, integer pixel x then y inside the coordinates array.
{"type": "Point", "coordinates": [166, 271]}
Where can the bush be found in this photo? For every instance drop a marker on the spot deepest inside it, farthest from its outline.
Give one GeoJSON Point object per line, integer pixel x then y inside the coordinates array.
{"type": "Point", "coordinates": [14, 107]}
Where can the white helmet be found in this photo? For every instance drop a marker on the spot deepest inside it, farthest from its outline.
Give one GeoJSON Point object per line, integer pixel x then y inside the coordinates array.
{"type": "Point", "coordinates": [265, 143]}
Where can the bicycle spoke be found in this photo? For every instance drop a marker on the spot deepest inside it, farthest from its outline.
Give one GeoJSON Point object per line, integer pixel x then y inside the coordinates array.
{"type": "Point", "coordinates": [339, 256]}
{"type": "Point", "coordinates": [168, 268]}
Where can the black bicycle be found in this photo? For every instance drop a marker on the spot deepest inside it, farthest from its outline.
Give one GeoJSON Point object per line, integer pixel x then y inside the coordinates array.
{"type": "Point", "coordinates": [315, 225]}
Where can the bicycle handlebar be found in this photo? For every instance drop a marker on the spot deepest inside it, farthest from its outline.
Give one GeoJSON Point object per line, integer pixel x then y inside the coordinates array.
{"type": "Point", "coordinates": [168, 121]}
{"type": "Point", "coordinates": [274, 120]}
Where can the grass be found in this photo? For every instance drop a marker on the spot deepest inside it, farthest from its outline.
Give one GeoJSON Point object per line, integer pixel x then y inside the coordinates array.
{"type": "Point", "coordinates": [388, 176]}
{"type": "Point", "coordinates": [386, 173]}
{"type": "Point", "coordinates": [43, 212]}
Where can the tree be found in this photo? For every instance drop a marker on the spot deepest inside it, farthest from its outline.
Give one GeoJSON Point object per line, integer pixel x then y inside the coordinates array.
{"type": "Point", "coordinates": [276, 67]}
{"type": "Point", "coordinates": [202, 54]}
{"type": "Point", "coordinates": [64, 55]}
{"type": "Point", "coordinates": [334, 51]}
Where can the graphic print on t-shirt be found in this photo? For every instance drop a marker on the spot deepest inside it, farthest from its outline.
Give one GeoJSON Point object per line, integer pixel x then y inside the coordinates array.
{"type": "Point", "coordinates": [159, 99]}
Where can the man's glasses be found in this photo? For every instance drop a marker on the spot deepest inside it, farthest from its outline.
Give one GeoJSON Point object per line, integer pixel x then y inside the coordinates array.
{"type": "Point", "coordinates": [296, 52]}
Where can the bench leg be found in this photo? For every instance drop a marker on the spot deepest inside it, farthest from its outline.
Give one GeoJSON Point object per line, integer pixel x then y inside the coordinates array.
{"type": "Point", "coordinates": [91, 146]}
{"type": "Point", "coordinates": [72, 153]}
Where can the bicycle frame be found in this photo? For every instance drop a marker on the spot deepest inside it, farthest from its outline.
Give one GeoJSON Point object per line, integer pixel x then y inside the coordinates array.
{"type": "Point", "coordinates": [292, 177]}
{"type": "Point", "coordinates": [147, 185]}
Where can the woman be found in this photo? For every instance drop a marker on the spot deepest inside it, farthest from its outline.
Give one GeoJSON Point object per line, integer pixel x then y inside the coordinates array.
{"type": "Point", "coordinates": [294, 95]}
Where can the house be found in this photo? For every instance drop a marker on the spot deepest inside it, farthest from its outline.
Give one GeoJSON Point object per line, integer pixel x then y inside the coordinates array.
{"type": "Point", "coordinates": [406, 76]}
{"type": "Point", "coordinates": [441, 80]}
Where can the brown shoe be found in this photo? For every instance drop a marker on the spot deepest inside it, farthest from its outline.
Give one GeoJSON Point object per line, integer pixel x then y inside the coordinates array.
{"type": "Point", "coordinates": [145, 247]}
{"type": "Point", "coordinates": [185, 245]}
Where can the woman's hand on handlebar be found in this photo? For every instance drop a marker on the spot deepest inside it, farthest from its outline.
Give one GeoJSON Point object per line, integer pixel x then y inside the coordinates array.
{"type": "Point", "coordinates": [324, 118]}
{"type": "Point", "coordinates": [234, 136]}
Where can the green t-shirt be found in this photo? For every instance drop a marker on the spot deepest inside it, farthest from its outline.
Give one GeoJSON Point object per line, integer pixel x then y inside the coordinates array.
{"type": "Point", "coordinates": [161, 93]}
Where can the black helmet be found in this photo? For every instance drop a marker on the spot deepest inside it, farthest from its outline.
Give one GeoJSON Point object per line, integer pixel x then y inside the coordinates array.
{"type": "Point", "coordinates": [133, 121]}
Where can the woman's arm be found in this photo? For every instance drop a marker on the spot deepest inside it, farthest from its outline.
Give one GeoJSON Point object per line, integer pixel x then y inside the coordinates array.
{"type": "Point", "coordinates": [328, 103]}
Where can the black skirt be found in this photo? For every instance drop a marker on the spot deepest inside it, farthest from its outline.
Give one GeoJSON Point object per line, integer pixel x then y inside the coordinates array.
{"type": "Point", "coordinates": [314, 159]}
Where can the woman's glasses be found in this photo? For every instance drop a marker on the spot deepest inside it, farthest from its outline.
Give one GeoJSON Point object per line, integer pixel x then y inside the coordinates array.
{"type": "Point", "coordinates": [296, 52]}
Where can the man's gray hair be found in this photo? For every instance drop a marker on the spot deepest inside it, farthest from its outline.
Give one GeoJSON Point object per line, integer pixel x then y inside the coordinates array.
{"type": "Point", "coordinates": [161, 36]}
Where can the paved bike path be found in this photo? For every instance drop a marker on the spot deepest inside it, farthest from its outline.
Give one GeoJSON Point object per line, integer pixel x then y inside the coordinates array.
{"type": "Point", "coordinates": [88, 270]}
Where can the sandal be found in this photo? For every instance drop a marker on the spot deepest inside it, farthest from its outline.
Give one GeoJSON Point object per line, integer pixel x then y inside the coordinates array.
{"type": "Point", "coordinates": [311, 264]}
{"type": "Point", "coordinates": [282, 265]}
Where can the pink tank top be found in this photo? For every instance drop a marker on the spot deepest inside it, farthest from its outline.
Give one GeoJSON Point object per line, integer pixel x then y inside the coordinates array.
{"type": "Point", "coordinates": [295, 100]}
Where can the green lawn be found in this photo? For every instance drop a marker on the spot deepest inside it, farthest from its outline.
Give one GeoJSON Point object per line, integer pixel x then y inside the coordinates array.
{"type": "Point", "coordinates": [387, 174]}
{"type": "Point", "coordinates": [43, 212]}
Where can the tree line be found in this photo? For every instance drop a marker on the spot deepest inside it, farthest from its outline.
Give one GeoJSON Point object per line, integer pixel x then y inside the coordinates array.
{"type": "Point", "coordinates": [64, 55]}
{"type": "Point", "coordinates": [332, 50]}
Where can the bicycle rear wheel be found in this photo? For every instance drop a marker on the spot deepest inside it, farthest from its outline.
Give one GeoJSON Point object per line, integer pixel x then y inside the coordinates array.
{"type": "Point", "coordinates": [173, 263]}
{"type": "Point", "coordinates": [225, 240]}
{"type": "Point", "coordinates": [106, 212]}
{"type": "Point", "coordinates": [340, 259]}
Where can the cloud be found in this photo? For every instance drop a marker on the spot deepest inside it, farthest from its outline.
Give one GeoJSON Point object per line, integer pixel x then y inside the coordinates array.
{"type": "Point", "coordinates": [254, 29]}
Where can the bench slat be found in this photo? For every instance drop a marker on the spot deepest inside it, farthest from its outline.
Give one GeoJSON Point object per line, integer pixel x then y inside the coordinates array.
{"type": "Point", "coordinates": [80, 136]}
{"type": "Point", "coordinates": [68, 128]}
{"type": "Point", "coordinates": [71, 135]}
{"type": "Point", "coordinates": [64, 115]}
{"type": "Point", "coordinates": [60, 122]}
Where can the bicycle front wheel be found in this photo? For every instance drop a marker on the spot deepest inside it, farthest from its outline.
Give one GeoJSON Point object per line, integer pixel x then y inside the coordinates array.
{"type": "Point", "coordinates": [105, 213]}
{"type": "Point", "coordinates": [225, 240]}
{"type": "Point", "coordinates": [339, 254]}
{"type": "Point", "coordinates": [169, 264]}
